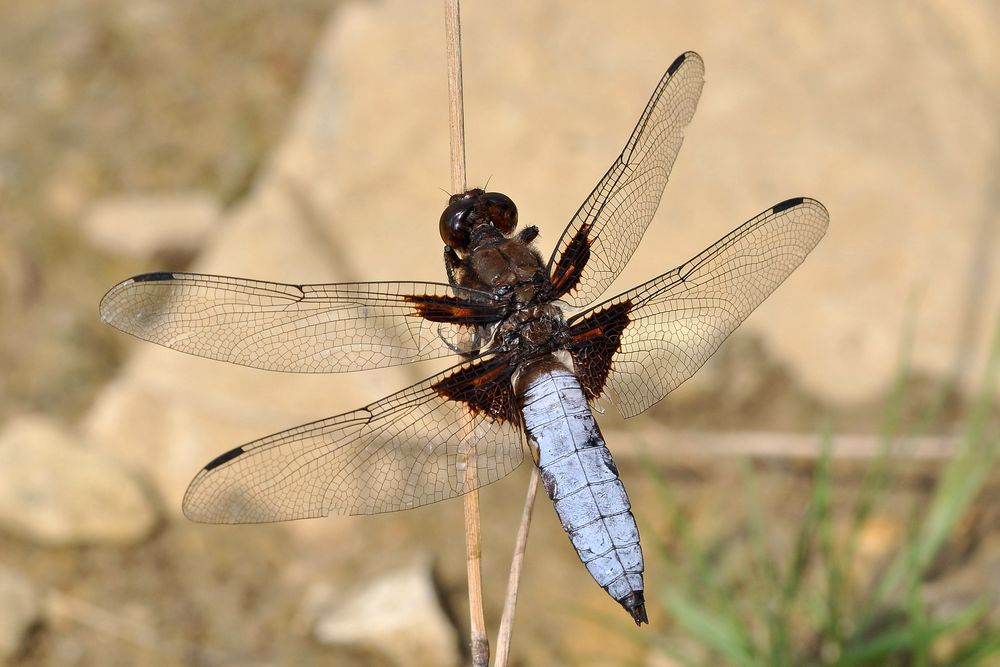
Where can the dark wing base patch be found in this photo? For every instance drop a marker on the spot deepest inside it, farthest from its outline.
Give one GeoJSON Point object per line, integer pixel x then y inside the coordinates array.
{"type": "Point", "coordinates": [449, 309]}
{"type": "Point", "coordinates": [594, 340]}
{"type": "Point", "coordinates": [569, 269]}
{"type": "Point", "coordinates": [485, 387]}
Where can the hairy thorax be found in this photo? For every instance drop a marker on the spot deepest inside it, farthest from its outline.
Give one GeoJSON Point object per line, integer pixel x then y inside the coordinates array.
{"type": "Point", "coordinates": [534, 328]}
{"type": "Point", "coordinates": [509, 262]}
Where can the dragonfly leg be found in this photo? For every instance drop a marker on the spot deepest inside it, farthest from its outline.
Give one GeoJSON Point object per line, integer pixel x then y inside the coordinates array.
{"type": "Point", "coordinates": [452, 262]}
{"type": "Point", "coordinates": [528, 234]}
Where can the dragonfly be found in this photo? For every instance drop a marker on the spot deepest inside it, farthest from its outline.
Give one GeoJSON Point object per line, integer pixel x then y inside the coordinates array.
{"type": "Point", "coordinates": [536, 348]}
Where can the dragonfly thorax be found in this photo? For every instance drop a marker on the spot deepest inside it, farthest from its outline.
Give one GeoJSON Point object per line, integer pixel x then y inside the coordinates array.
{"type": "Point", "coordinates": [534, 328]}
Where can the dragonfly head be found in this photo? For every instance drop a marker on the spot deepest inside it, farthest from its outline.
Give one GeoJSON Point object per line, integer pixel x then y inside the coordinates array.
{"type": "Point", "coordinates": [476, 213]}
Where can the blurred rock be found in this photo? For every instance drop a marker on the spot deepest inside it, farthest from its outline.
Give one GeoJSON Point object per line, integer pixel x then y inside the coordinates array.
{"type": "Point", "coordinates": [661, 660]}
{"type": "Point", "coordinates": [19, 277]}
{"type": "Point", "coordinates": [967, 583]}
{"type": "Point", "coordinates": [396, 615]}
{"type": "Point", "coordinates": [143, 226]}
{"type": "Point", "coordinates": [55, 492]}
{"type": "Point", "coordinates": [20, 610]}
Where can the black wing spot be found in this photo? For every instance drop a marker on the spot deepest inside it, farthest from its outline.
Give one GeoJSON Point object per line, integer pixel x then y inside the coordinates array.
{"type": "Point", "coordinates": [787, 204]}
{"type": "Point", "coordinates": [150, 277]}
{"type": "Point", "coordinates": [677, 63]}
{"type": "Point", "coordinates": [222, 458]}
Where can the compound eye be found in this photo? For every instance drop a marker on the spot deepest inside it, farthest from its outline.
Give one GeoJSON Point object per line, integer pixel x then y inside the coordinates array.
{"type": "Point", "coordinates": [501, 211]}
{"type": "Point", "coordinates": [456, 230]}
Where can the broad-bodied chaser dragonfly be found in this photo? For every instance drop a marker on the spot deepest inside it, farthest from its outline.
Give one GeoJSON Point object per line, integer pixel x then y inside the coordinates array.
{"type": "Point", "coordinates": [536, 353]}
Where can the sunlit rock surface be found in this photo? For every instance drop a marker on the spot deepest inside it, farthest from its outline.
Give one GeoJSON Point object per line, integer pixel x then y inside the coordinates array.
{"type": "Point", "coordinates": [20, 609]}
{"type": "Point", "coordinates": [397, 615]}
{"type": "Point", "coordinates": [56, 491]}
{"type": "Point", "coordinates": [150, 226]}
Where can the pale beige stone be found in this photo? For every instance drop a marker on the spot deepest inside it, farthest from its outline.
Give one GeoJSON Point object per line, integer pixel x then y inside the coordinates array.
{"type": "Point", "coordinates": [396, 615]}
{"type": "Point", "coordinates": [20, 609]}
{"type": "Point", "coordinates": [143, 226]}
{"type": "Point", "coordinates": [56, 491]}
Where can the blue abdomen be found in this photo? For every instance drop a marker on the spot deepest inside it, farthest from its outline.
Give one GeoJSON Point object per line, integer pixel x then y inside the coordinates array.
{"type": "Point", "coordinates": [582, 480]}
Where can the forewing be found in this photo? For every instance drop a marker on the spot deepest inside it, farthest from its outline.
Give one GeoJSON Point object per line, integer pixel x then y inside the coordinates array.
{"type": "Point", "coordinates": [438, 439]}
{"type": "Point", "coordinates": [644, 343]}
{"type": "Point", "coordinates": [300, 328]}
{"type": "Point", "coordinates": [601, 237]}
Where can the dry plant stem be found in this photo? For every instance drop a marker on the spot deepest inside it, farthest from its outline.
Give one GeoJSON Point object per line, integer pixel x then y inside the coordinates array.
{"type": "Point", "coordinates": [510, 602]}
{"type": "Point", "coordinates": [480, 645]}
{"type": "Point", "coordinates": [456, 105]}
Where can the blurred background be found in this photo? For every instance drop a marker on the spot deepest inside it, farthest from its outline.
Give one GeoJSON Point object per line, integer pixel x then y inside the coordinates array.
{"type": "Point", "coordinates": [822, 492]}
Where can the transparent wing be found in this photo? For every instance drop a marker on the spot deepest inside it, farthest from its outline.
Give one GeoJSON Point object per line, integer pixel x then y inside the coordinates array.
{"type": "Point", "coordinates": [438, 439]}
{"type": "Point", "coordinates": [300, 328]}
{"type": "Point", "coordinates": [601, 237]}
{"type": "Point", "coordinates": [655, 337]}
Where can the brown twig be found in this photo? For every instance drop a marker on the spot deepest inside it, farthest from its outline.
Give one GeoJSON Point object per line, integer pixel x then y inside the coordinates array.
{"type": "Point", "coordinates": [480, 644]}
{"type": "Point", "coordinates": [456, 105]}
{"type": "Point", "coordinates": [510, 602]}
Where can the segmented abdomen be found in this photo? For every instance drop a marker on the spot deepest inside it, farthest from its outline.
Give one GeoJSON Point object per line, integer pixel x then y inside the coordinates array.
{"type": "Point", "coordinates": [582, 481]}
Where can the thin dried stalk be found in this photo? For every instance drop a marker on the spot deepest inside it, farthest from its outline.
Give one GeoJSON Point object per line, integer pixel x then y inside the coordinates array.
{"type": "Point", "coordinates": [480, 644]}
{"type": "Point", "coordinates": [510, 601]}
{"type": "Point", "coordinates": [456, 105]}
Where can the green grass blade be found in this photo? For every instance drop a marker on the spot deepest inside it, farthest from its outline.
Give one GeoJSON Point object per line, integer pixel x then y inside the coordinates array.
{"type": "Point", "coordinates": [960, 483]}
{"type": "Point", "coordinates": [722, 637]}
{"type": "Point", "coordinates": [770, 604]}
